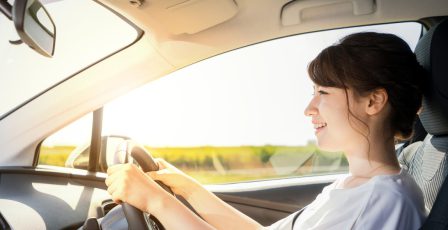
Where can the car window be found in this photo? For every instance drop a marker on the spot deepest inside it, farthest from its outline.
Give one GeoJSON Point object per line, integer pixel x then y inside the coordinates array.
{"type": "Point", "coordinates": [237, 116]}
{"type": "Point", "coordinates": [82, 27]}
{"type": "Point", "coordinates": [68, 147]}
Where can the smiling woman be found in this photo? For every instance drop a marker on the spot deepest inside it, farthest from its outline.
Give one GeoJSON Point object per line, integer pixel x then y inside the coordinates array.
{"type": "Point", "coordinates": [72, 52]}
{"type": "Point", "coordinates": [222, 120]}
{"type": "Point", "coordinates": [357, 108]}
{"type": "Point", "coordinates": [222, 91]}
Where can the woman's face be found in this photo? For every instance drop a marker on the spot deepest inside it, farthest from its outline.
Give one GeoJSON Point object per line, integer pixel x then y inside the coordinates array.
{"type": "Point", "coordinates": [335, 128]}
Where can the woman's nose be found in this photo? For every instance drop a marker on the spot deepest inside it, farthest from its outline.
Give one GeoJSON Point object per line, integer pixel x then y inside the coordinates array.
{"type": "Point", "coordinates": [311, 109]}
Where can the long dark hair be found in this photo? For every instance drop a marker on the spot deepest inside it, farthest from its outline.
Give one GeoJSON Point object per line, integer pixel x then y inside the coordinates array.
{"type": "Point", "coordinates": [367, 61]}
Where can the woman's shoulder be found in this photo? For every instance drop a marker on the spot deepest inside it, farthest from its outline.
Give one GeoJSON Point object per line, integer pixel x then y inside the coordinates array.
{"type": "Point", "coordinates": [395, 192]}
{"type": "Point", "coordinates": [401, 185]}
{"type": "Point", "coordinates": [395, 187]}
{"type": "Point", "coordinates": [395, 202]}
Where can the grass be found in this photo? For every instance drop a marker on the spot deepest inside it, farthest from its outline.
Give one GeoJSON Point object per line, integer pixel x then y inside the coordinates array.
{"type": "Point", "coordinates": [215, 165]}
{"type": "Point", "coordinates": [56, 155]}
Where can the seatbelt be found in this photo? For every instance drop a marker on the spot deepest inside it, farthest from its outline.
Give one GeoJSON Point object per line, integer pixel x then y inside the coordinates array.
{"type": "Point", "coordinates": [296, 216]}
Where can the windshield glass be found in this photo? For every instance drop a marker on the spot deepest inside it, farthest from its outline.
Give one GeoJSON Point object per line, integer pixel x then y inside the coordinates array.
{"type": "Point", "coordinates": [86, 32]}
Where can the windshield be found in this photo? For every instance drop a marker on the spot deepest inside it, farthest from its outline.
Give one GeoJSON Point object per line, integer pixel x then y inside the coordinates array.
{"type": "Point", "coordinates": [86, 32]}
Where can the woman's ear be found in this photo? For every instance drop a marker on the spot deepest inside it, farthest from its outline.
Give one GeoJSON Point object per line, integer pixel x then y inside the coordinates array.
{"type": "Point", "coordinates": [376, 101]}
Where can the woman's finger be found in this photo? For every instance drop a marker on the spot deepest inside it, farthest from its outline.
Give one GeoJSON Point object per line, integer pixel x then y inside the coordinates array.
{"type": "Point", "coordinates": [116, 173]}
{"type": "Point", "coordinates": [114, 168]}
{"type": "Point", "coordinates": [159, 175]}
{"type": "Point", "coordinates": [111, 188]}
{"type": "Point", "coordinates": [163, 164]}
{"type": "Point", "coordinates": [111, 178]}
{"type": "Point", "coordinates": [117, 197]}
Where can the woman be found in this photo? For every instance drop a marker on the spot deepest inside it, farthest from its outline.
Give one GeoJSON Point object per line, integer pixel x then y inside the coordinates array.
{"type": "Point", "coordinates": [366, 95]}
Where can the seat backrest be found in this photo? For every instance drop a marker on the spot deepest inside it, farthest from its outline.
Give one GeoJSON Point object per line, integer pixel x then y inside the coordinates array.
{"type": "Point", "coordinates": [427, 160]}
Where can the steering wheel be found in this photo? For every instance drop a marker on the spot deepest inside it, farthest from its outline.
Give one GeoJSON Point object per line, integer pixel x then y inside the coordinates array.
{"type": "Point", "coordinates": [130, 152]}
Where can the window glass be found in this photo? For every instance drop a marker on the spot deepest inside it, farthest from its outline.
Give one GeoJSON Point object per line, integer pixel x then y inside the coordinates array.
{"type": "Point", "coordinates": [85, 33]}
{"type": "Point", "coordinates": [238, 116]}
{"type": "Point", "coordinates": [69, 147]}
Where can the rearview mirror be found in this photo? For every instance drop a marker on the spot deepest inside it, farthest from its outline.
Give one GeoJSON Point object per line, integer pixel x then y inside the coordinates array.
{"type": "Point", "coordinates": [34, 26]}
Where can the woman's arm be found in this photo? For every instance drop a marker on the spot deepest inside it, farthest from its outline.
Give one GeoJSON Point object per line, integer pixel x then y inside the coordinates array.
{"type": "Point", "coordinates": [217, 212]}
{"type": "Point", "coordinates": [212, 209]}
{"type": "Point", "coordinates": [127, 183]}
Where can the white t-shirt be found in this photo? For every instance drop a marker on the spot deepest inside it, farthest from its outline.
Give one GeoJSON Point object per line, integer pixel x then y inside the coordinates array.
{"type": "Point", "coordinates": [384, 202]}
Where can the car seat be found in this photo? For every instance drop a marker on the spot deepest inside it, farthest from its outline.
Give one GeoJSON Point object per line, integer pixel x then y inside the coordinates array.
{"type": "Point", "coordinates": [426, 160]}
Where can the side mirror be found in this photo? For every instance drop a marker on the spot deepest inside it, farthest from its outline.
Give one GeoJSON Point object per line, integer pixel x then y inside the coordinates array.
{"type": "Point", "coordinates": [34, 26]}
{"type": "Point", "coordinates": [79, 158]}
{"type": "Point", "coordinates": [109, 148]}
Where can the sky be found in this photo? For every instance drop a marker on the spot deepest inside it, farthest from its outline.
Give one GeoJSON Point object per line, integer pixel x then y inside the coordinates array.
{"type": "Point", "coordinates": [251, 96]}
{"type": "Point", "coordinates": [255, 95]}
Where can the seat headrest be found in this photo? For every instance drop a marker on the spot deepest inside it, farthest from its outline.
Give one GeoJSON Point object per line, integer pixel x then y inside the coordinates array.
{"type": "Point", "coordinates": [432, 53]}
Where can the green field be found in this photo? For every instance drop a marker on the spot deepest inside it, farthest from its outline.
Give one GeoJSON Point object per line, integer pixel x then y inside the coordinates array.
{"type": "Point", "coordinates": [214, 165]}
{"type": "Point", "coordinates": [56, 155]}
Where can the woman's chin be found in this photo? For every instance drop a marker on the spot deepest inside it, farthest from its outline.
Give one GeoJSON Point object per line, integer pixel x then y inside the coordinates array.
{"type": "Point", "coordinates": [326, 146]}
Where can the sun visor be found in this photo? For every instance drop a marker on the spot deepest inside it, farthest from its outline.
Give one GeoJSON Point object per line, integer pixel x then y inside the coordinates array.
{"type": "Point", "coordinates": [296, 12]}
{"type": "Point", "coordinates": [191, 16]}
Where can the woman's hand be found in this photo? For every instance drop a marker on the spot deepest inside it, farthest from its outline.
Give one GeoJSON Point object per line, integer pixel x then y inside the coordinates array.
{"type": "Point", "coordinates": [127, 183]}
{"type": "Point", "coordinates": [178, 181]}
{"type": "Point", "coordinates": [213, 210]}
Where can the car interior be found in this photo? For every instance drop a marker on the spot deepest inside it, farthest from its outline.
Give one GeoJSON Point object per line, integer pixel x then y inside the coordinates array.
{"type": "Point", "coordinates": [35, 197]}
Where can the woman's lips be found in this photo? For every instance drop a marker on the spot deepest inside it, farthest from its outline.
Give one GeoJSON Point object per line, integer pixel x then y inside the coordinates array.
{"type": "Point", "coordinates": [319, 127]}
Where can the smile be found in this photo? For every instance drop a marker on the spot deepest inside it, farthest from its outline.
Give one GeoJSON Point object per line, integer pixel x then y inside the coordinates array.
{"type": "Point", "coordinates": [319, 126]}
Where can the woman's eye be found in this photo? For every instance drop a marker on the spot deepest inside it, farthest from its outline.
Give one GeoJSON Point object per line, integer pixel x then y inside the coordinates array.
{"type": "Point", "coordinates": [321, 92]}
